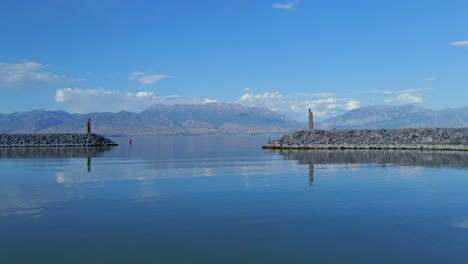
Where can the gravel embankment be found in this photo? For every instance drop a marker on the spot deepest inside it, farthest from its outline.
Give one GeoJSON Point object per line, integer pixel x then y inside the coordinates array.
{"type": "Point", "coordinates": [54, 140]}
{"type": "Point", "coordinates": [420, 138]}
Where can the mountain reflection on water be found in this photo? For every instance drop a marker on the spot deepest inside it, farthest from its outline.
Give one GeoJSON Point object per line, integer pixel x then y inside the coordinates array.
{"type": "Point", "coordinates": [397, 157]}
{"type": "Point", "coordinates": [456, 159]}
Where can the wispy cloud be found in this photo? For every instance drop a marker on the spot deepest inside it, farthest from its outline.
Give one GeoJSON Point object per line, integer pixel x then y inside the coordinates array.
{"type": "Point", "coordinates": [146, 79]}
{"type": "Point", "coordinates": [387, 92]}
{"type": "Point", "coordinates": [285, 6]}
{"type": "Point", "coordinates": [405, 98]}
{"type": "Point", "coordinates": [408, 96]}
{"type": "Point", "coordinates": [427, 79]}
{"type": "Point", "coordinates": [29, 72]}
{"type": "Point", "coordinates": [462, 43]}
{"type": "Point", "coordinates": [296, 105]}
{"type": "Point", "coordinates": [79, 100]}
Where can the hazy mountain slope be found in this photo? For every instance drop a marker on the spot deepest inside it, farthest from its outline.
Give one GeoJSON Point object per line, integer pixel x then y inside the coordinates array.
{"type": "Point", "coordinates": [219, 113]}
{"type": "Point", "coordinates": [214, 118]}
{"type": "Point", "coordinates": [34, 121]}
{"type": "Point", "coordinates": [223, 118]}
{"type": "Point", "coordinates": [454, 117]}
{"type": "Point", "coordinates": [397, 117]}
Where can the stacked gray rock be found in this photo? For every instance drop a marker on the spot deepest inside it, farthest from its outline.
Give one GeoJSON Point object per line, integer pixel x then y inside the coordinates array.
{"type": "Point", "coordinates": [420, 138]}
{"type": "Point", "coordinates": [54, 140]}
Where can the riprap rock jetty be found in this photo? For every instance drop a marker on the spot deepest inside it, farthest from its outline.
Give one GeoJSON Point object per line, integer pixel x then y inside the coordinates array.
{"type": "Point", "coordinates": [54, 140]}
{"type": "Point", "coordinates": [411, 138]}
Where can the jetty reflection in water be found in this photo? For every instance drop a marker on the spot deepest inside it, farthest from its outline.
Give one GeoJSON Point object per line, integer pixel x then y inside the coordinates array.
{"type": "Point", "coordinates": [54, 152]}
{"type": "Point", "coordinates": [454, 159]}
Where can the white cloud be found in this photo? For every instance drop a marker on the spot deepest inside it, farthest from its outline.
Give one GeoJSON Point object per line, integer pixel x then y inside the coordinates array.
{"type": "Point", "coordinates": [427, 79]}
{"type": "Point", "coordinates": [267, 95]}
{"type": "Point", "coordinates": [323, 105]}
{"type": "Point", "coordinates": [78, 100]}
{"type": "Point", "coordinates": [146, 79]}
{"type": "Point", "coordinates": [285, 6]}
{"type": "Point", "coordinates": [16, 74]}
{"type": "Point", "coordinates": [408, 96]}
{"type": "Point", "coordinates": [145, 94]}
{"type": "Point", "coordinates": [405, 98]}
{"type": "Point", "coordinates": [352, 104]}
{"type": "Point", "coordinates": [463, 43]}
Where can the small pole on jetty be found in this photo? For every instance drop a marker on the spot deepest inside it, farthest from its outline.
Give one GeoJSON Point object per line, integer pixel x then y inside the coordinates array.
{"type": "Point", "coordinates": [311, 120]}
{"type": "Point", "coordinates": [89, 126]}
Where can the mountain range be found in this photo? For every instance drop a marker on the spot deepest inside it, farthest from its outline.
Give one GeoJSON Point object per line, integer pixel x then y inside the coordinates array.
{"type": "Point", "coordinates": [188, 119]}
{"type": "Point", "coordinates": [397, 117]}
{"type": "Point", "coordinates": [223, 118]}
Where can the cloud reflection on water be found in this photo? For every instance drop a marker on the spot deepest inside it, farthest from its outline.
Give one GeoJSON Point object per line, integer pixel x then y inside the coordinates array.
{"type": "Point", "coordinates": [461, 222]}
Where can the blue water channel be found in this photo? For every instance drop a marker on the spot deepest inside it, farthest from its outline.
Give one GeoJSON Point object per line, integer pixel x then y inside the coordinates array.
{"type": "Point", "coordinates": [224, 199]}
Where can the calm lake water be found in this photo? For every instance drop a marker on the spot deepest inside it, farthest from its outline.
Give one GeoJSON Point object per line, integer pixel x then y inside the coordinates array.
{"type": "Point", "coordinates": [226, 200]}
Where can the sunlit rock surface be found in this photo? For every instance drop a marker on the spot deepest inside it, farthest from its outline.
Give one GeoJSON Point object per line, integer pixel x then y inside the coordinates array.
{"type": "Point", "coordinates": [420, 138]}
{"type": "Point", "coordinates": [53, 140]}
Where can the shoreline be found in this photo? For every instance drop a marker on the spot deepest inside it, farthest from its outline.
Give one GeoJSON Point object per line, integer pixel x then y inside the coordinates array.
{"type": "Point", "coordinates": [405, 139]}
{"type": "Point", "coordinates": [54, 140]}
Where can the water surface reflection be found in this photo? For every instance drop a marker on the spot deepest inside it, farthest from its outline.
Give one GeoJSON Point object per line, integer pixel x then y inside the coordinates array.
{"type": "Point", "coordinates": [226, 200]}
{"type": "Point", "coordinates": [52, 152]}
{"type": "Point", "coordinates": [397, 157]}
{"type": "Point", "coordinates": [411, 158]}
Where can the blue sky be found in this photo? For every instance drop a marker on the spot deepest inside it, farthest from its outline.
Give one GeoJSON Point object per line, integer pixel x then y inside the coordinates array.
{"type": "Point", "coordinates": [331, 55]}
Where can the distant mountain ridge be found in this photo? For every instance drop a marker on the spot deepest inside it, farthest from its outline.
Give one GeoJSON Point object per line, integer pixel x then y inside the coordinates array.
{"type": "Point", "coordinates": [223, 118]}
{"type": "Point", "coordinates": [408, 116]}
{"type": "Point", "coordinates": [189, 119]}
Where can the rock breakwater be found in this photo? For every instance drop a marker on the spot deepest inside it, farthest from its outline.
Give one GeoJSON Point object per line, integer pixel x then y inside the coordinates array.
{"type": "Point", "coordinates": [54, 140]}
{"type": "Point", "coordinates": [420, 138]}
